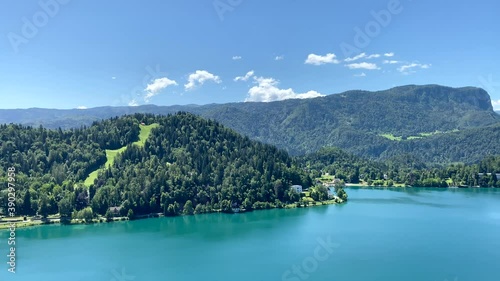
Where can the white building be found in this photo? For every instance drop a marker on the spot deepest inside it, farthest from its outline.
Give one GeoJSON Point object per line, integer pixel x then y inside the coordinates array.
{"type": "Point", "coordinates": [331, 192]}
{"type": "Point", "coordinates": [489, 174]}
{"type": "Point", "coordinates": [297, 188]}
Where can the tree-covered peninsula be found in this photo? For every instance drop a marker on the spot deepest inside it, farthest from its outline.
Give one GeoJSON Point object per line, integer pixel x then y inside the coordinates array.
{"type": "Point", "coordinates": [185, 165]}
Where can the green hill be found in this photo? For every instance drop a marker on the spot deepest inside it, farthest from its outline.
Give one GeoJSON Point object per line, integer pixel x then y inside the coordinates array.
{"type": "Point", "coordinates": [358, 117]}
{"type": "Point", "coordinates": [360, 122]}
{"type": "Point", "coordinates": [173, 164]}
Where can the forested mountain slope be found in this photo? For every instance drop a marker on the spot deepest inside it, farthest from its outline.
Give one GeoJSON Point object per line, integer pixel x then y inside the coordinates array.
{"type": "Point", "coordinates": [354, 121]}
{"type": "Point", "coordinates": [307, 125]}
{"type": "Point", "coordinates": [187, 162]}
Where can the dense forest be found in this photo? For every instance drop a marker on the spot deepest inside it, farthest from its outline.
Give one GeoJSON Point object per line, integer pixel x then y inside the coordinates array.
{"type": "Point", "coordinates": [403, 169]}
{"type": "Point", "coordinates": [61, 155]}
{"type": "Point", "coordinates": [191, 165]}
{"type": "Point", "coordinates": [187, 165]}
{"type": "Point", "coordinates": [437, 124]}
{"type": "Point", "coordinates": [355, 120]}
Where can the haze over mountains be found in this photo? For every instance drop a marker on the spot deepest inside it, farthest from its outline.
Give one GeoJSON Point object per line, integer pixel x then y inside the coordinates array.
{"type": "Point", "coordinates": [433, 123]}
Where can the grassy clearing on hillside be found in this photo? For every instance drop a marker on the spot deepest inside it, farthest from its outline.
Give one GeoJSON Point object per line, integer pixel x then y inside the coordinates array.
{"type": "Point", "coordinates": [144, 133]}
{"type": "Point", "coordinates": [391, 137]}
{"type": "Point", "coordinates": [419, 136]}
{"type": "Point", "coordinates": [110, 159]}
{"type": "Point", "coordinates": [111, 154]}
{"type": "Point", "coordinates": [327, 178]}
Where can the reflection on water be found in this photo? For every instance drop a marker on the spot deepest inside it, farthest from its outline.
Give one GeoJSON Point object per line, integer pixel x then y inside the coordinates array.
{"type": "Point", "coordinates": [389, 234]}
{"type": "Point", "coordinates": [494, 216]}
{"type": "Point", "coordinates": [399, 200]}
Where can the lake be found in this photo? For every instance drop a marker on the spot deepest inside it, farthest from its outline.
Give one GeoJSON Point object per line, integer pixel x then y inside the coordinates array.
{"type": "Point", "coordinates": [380, 234]}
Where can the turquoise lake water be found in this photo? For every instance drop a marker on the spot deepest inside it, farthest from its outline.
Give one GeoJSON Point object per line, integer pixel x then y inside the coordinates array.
{"type": "Point", "coordinates": [380, 234]}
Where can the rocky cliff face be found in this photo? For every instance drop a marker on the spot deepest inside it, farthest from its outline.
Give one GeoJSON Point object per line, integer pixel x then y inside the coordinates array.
{"type": "Point", "coordinates": [470, 98]}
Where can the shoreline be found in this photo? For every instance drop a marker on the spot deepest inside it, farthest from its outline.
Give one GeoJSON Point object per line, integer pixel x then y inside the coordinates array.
{"type": "Point", "coordinates": [408, 186]}
{"type": "Point", "coordinates": [20, 223]}
{"type": "Point", "coordinates": [5, 224]}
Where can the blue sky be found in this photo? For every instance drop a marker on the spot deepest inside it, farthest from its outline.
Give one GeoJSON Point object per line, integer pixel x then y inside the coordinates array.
{"type": "Point", "coordinates": [75, 53]}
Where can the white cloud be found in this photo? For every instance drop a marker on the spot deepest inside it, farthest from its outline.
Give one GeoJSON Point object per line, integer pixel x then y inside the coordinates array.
{"type": "Point", "coordinates": [391, 62]}
{"type": "Point", "coordinates": [246, 77]}
{"type": "Point", "coordinates": [279, 58]}
{"type": "Point", "coordinates": [319, 60]}
{"type": "Point", "coordinates": [267, 90]}
{"type": "Point", "coordinates": [362, 74]}
{"type": "Point", "coordinates": [362, 56]}
{"type": "Point", "coordinates": [156, 86]}
{"type": "Point", "coordinates": [199, 78]}
{"type": "Point", "coordinates": [237, 57]}
{"type": "Point", "coordinates": [113, 78]}
{"type": "Point", "coordinates": [388, 54]}
{"type": "Point", "coordinates": [407, 68]}
{"type": "Point", "coordinates": [133, 103]}
{"type": "Point", "coordinates": [363, 65]}
{"type": "Point", "coordinates": [81, 107]}
{"type": "Point", "coordinates": [496, 104]}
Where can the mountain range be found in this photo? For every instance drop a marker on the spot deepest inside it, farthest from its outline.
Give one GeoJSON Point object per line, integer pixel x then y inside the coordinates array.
{"type": "Point", "coordinates": [433, 123]}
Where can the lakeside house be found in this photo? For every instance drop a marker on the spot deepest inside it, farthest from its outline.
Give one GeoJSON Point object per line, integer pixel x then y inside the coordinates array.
{"type": "Point", "coordinates": [115, 210]}
{"type": "Point", "coordinates": [331, 192]}
{"type": "Point", "coordinates": [297, 188]}
{"type": "Point", "coordinates": [235, 208]}
{"type": "Point", "coordinates": [489, 174]}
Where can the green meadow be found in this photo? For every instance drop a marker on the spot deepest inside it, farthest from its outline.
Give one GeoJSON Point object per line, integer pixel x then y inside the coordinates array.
{"type": "Point", "coordinates": [419, 136]}
{"type": "Point", "coordinates": [111, 154]}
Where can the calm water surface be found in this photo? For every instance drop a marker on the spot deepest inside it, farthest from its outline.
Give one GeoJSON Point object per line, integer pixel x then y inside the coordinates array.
{"type": "Point", "coordinates": [389, 235]}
